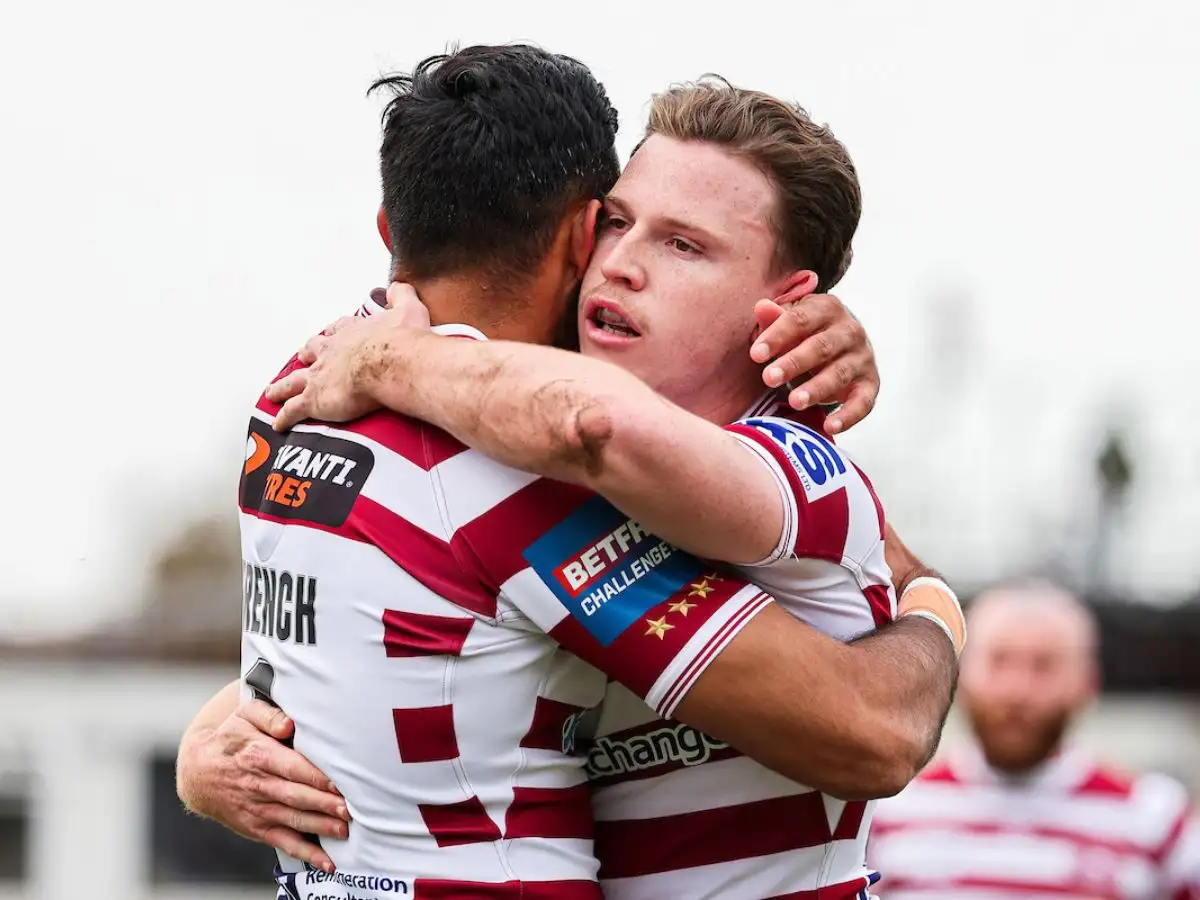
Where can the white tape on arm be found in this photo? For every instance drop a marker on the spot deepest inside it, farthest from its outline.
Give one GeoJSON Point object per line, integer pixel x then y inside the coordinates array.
{"type": "Point", "coordinates": [932, 616]}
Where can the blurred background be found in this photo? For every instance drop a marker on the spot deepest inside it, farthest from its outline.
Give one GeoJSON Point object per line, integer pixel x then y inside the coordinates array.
{"type": "Point", "coordinates": [187, 191]}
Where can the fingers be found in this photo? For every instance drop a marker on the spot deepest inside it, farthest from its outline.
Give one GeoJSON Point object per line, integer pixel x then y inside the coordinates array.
{"type": "Point", "coordinates": [404, 299]}
{"type": "Point", "coordinates": [296, 769]}
{"type": "Point", "coordinates": [269, 814]}
{"type": "Point", "coordinates": [266, 718]}
{"type": "Point", "coordinates": [294, 411]}
{"type": "Point", "coordinates": [400, 294]}
{"type": "Point", "coordinates": [300, 797]}
{"type": "Point", "coordinates": [266, 759]}
{"type": "Point", "coordinates": [287, 387]}
{"type": "Point", "coordinates": [338, 325]}
{"type": "Point", "coordinates": [816, 351]}
{"type": "Point", "coordinates": [790, 326]}
{"type": "Point", "coordinates": [831, 382]}
{"type": "Point", "coordinates": [272, 758]}
{"type": "Point", "coordinates": [856, 408]}
{"type": "Point", "coordinates": [315, 346]}
{"type": "Point", "coordinates": [297, 846]}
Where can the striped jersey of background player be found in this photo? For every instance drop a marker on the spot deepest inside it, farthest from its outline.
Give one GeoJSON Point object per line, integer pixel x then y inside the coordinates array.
{"type": "Point", "coordinates": [1024, 812]}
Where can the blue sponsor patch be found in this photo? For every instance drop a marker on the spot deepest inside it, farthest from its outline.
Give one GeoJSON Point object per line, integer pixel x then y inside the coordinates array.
{"type": "Point", "coordinates": [606, 570]}
{"type": "Point", "coordinates": [818, 463]}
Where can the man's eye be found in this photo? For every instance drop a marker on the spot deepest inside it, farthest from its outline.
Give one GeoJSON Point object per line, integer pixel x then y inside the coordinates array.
{"type": "Point", "coordinates": [683, 246]}
{"type": "Point", "coordinates": [614, 222]}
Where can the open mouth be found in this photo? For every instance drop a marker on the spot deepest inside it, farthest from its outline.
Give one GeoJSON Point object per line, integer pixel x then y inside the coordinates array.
{"type": "Point", "coordinates": [613, 322]}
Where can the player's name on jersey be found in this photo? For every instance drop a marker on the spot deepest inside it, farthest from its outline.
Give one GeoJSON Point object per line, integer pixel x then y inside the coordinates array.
{"type": "Point", "coordinates": [279, 604]}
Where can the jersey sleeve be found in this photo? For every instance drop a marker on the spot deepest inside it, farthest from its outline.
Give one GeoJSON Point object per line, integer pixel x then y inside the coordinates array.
{"type": "Point", "coordinates": [812, 475]}
{"type": "Point", "coordinates": [647, 614]}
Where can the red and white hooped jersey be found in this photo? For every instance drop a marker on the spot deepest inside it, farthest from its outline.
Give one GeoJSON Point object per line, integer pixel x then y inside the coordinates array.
{"type": "Point", "coordinates": [436, 624]}
{"type": "Point", "coordinates": [679, 814]}
{"type": "Point", "coordinates": [1073, 828]}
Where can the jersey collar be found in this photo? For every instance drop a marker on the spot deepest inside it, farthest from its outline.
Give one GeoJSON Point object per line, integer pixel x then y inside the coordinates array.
{"type": "Point", "coordinates": [377, 303]}
{"type": "Point", "coordinates": [1062, 772]}
{"type": "Point", "coordinates": [774, 403]}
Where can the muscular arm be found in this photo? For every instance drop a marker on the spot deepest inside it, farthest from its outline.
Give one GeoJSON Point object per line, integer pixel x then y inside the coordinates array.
{"type": "Point", "coordinates": [857, 721]}
{"type": "Point", "coordinates": [585, 421]}
{"type": "Point", "coordinates": [210, 717]}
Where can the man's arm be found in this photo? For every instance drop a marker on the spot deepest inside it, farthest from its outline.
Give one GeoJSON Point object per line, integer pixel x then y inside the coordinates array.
{"type": "Point", "coordinates": [574, 419]}
{"type": "Point", "coordinates": [233, 767]}
{"type": "Point", "coordinates": [857, 720]}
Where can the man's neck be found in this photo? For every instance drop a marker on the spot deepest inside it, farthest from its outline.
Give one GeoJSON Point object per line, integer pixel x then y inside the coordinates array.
{"type": "Point", "coordinates": [725, 405]}
{"type": "Point", "coordinates": [501, 314]}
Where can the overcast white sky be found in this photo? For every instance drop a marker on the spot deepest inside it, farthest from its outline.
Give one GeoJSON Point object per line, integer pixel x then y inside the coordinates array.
{"type": "Point", "coordinates": [187, 191]}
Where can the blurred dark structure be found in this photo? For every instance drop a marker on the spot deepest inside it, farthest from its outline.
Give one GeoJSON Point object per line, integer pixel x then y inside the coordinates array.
{"type": "Point", "coordinates": [186, 849]}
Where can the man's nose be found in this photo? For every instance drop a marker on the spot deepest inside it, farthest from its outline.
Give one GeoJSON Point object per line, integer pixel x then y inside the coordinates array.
{"type": "Point", "coordinates": [624, 264]}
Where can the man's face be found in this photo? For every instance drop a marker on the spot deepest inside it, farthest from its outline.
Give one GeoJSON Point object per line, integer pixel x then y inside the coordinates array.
{"type": "Point", "coordinates": [683, 252]}
{"type": "Point", "coordinates": [1025, 675]}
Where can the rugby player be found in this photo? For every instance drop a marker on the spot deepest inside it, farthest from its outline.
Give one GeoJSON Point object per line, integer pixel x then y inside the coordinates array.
{"type": "Point", "coordinates": [1022, 811]}
{"type": "Point", "coordinates": [733, 664]}
{"type": "Point", "coordinates": [671, 286]}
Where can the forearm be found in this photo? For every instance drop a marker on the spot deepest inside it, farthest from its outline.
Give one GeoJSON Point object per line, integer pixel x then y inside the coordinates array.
{"type": "Point", "coordinates": [517, 403]}
{"type": "Point", "coordinates": [852, 720]}
{"type": "Point", "coordinates": [908, 672]}
{"type": "Point", "coordinates": [220, 707]}
{"type": "Point", "coordinates": [578, 420]}
{"type": "Point", "coordinates": [881, 714]}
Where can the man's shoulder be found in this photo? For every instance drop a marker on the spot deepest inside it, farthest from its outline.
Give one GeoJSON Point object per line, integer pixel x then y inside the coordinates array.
{"type": "Point", "coordinates": [820, 467]}
{"type": "Point", "coordinates": [1154, 798]}
{"type": "Point", "coordinates": [832, 509]}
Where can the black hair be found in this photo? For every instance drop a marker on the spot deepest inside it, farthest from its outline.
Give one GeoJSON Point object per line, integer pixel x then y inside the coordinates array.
{"type": "Point", "coordinates": [484, 151]}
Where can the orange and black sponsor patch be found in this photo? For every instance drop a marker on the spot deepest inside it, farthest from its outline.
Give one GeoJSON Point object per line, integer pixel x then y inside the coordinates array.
{"type": "Point", "coordinates": [302, 475]}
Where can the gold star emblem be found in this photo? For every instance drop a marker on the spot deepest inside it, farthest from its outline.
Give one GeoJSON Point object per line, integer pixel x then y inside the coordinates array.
{"type": "Point", "coordinates": [658, 627]}
{"type": "Point", "coordinates": [713, 576]}
{"type": "Point", "coordinates": [701, 589]}
{"type": "Point", "coordinates": [682, 606]}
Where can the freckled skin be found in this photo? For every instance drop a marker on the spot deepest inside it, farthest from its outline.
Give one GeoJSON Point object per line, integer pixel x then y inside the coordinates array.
{"type": "Point", "coordinates": [694, 310]}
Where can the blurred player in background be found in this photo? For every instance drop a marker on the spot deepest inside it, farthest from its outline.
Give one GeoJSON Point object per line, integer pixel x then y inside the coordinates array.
{"type": "Point", "coordinates": [454, 565]}
{"type": "Point", "coordinates": [1023, 812]}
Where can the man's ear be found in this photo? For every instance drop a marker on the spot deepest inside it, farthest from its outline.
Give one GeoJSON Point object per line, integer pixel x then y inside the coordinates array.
{"type": "Point", "coordinates": [382, 225]}
{"type": "Point", "coordinates": [583, 236]}
{"type": "Point", "coordinates": [798, 284]}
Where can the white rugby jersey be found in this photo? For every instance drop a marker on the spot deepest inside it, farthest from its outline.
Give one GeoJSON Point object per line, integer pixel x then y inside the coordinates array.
{"type": "Point", "coordinates": [679, 814]}
{"type": "Point", "coordinates": [435, 624]}
{"type": "Point", "coordinates": [1073, 828]}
